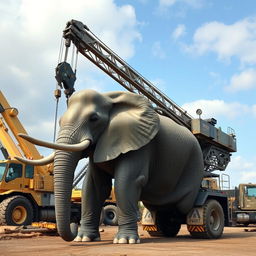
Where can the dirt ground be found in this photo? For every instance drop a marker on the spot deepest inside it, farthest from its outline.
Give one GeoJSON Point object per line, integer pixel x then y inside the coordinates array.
{"type": "Point", "coordinates": [235, 241]}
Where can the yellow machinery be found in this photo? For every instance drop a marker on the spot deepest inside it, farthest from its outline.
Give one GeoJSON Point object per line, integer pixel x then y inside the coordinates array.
{"type": "Point", "coordinates": [26, 192]}
{"type": "Point", "coordinates": [110, 214]}
{"type": "Point", "coordinates": [242, 202]}
{"type": "Point", "coordinates": [241, 199]}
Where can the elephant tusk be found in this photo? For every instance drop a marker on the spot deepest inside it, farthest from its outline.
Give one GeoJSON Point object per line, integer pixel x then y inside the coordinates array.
{"type": "Point", "coordinates": [46, 160]}
{"type": "Point", "coordinates": [67, 147]}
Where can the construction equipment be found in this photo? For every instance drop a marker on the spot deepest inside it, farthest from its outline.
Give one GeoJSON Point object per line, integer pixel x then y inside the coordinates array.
{"type": "Point", "coordinates": [210, 214]}
{"type": "Point", "coordinates": [242, 202]}
{"type": "Point", "coordinates": [26, 192]}
{"type": "Point", "coordinates": [110, 214]}
{"type": "Point", "coordinates": [216, 144]}
{"type": "Point", "coordinates": [241, 199]}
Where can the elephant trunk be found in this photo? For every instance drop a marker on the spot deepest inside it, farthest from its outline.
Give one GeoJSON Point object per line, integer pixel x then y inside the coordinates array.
{"type": "Point", "coordinates": [64, 167]}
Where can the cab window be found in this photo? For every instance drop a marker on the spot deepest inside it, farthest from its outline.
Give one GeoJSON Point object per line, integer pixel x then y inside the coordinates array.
{"type": "Point", "coordinates": [2, 170]}
{"type": "Point", "coordinates": [14, 172]}
{"type": "Point", "coordinates": [251, 191]}
{"type": "Point", "coordinates": [29, 171]}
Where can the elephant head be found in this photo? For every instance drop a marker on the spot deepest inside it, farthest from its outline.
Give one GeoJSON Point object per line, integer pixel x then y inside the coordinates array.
{"type": "Point", "coordinates": [101, 126]}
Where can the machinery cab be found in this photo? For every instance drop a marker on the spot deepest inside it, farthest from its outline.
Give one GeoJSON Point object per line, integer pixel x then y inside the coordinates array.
{"type": "Point", "coordinates": [210, 183]}
{"type": "Point", "coordinates": [15, 176]}
{"type": "Point", "coordinates": [247, 196]}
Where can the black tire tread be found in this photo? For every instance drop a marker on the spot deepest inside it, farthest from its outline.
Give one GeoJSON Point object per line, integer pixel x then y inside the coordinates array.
{"type": "Point", "coordinates": [114, 209]}
{"type": "Point", "coordinates": [207, 233]}
{"type": "Point", "coordinates": [157, 233]}
{"type": "Point", "coordinates": [4, 208]}
{"type": "Point", "coordinates": [168, 226]}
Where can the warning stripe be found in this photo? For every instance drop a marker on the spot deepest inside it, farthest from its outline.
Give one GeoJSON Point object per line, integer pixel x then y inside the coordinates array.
{"type": "Point", "coordinates": [150, 227]}
{"type": "Point", "coordinates": [195, 228]}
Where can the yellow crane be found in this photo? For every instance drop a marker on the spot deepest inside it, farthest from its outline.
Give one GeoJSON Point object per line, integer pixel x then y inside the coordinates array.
{"type": "Point", "coordinates": [26, 192]}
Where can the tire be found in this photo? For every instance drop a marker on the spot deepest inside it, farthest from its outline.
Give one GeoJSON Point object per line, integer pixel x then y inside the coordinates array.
{"type": "Point", "coordinates": [213, 219]}
{"type": "Point", "coordinates": [155, 233]}
{"type": "Point", "coordinates": [16, 211]}
{"type": "Point", "coordinates": [110, 215]}
{"type": "Point", "coordinates": [102, 216]}
{"type": "Point", "coordinates": [167, 225]}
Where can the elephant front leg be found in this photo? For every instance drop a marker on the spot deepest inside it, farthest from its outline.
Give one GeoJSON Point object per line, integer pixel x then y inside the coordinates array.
{"type": "Point", "coordinates": [130, 177]}
{"type": "Point", "coordinates": [96, 188]}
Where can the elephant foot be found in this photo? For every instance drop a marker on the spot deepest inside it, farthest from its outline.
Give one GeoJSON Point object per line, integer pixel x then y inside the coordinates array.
{"type": "Point", "coordinates": [126, 241]}
{"type": "Point", "coordinates": [85, 236]}
{"type": "Point", "coordinates": [127, 234]}
{"type": "Point", "coordinates": [86, 239]}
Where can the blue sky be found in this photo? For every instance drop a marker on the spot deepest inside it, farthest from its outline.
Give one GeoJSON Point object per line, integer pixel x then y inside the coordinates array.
{"type": "Point", "coordinates": [201, 53]}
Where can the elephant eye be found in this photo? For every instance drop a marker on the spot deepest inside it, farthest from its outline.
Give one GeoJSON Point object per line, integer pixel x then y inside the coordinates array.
{"type": "Point", "coordinates": [94, 117]}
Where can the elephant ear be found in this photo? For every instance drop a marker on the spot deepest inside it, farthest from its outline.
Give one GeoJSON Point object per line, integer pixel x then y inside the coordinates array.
{"type": "Point", "coordinates": [133, 123]}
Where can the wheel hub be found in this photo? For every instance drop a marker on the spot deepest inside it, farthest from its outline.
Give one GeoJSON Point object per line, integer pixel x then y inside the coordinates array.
{"type": "Point", "coordinates": [110, 215]}
{"type": "Point", "coordinates": [214, 220]}
{"type": "Point", "coordinates": [19, 214]}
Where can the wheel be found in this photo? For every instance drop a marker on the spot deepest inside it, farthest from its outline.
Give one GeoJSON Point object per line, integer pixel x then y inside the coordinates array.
{"type": "Point", "coordinates": [168, 225]}
{"type": "Point", "coordinates": [102, 216]}
{"type": "Point", "coordinates": [110, 215]}
{"type": "Point", "coordinates": [155, 233]}
{"type": "Point", "coordinates": [213, 219]}
{"type": "Point", "coordinates": [16, 211]}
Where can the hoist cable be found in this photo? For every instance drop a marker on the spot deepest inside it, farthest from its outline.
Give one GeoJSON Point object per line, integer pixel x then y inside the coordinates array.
{"type": "Point", "coordinates": [57, 92]}
{"type": "Point", "coordinates": [76, 61]}
{"type": "Point", "coordinates": [72, 56]}
{"type": "Point", "coordinates": [55, 119]}
{"type": "Point", "coordinates": [61, 50]}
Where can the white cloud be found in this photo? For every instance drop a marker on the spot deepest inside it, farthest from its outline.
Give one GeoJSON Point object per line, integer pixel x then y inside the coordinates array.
{"type": "Point", "coordinates": [243, 169]}
{"type": "Point", "coordinates": [249, 177]}
{"type": "Point", "coordinates": [178, 8]}
{"type": "Point", "coordinates": [238, 39]}
{"type": "Point", "coordinates": [159, 83]}
{"type": "Point", "coordinates": [254, 110]}
{"type": "Point", "coordinates": [217, 108]}
{"type": "Point", "coordinates": [244, 81]}
{"type": "Point", "coordinates": [18, 72]}
{"type": "Point", "coordinates": [216, 80]}
{"type": "Point", "coordinates": [158, 51]}
{"type": "Point", "coordinates": [167, 2]}
{"type": "Point", "coordinates": [29, 50]}
{"type": "Point", "coordinates": [179, 31]}
{"type": "Point", "coordinates": [46, 129]}
{"type": "Point", "coordinates": [191, 3]}
{"type": "Point", "coordinates": [238, 163]}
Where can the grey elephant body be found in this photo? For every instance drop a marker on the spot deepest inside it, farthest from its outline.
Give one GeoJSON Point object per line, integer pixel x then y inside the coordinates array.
{"type": "Point", "coordinates": [147, 174]}
{"type": "Point", "coordinates": [155, 163]}
{"type": "Point", "coordinates": [150, 157]}
{"type": "Point", "coordinates": [164, 187]}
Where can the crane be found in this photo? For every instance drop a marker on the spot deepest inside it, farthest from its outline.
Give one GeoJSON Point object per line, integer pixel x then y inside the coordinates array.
{"type": "Point", "coordinates": [26, 191]}
{"type": "Point", "coordinates": [216, 145]}
{"type": "Point", "coordinates": [211, 205]}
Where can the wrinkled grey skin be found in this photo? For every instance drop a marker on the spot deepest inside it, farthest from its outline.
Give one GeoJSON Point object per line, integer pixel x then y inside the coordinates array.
{"type": "Point", "coordinates": [151, 158]}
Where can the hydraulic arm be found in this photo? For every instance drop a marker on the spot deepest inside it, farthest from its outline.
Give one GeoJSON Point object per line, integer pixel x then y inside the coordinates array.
{"type": "Point", "coordinates": [9, 120]}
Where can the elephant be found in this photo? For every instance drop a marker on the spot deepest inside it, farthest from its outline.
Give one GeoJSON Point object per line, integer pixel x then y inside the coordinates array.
{"type": "Point", "coordinates": [150, 157]}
